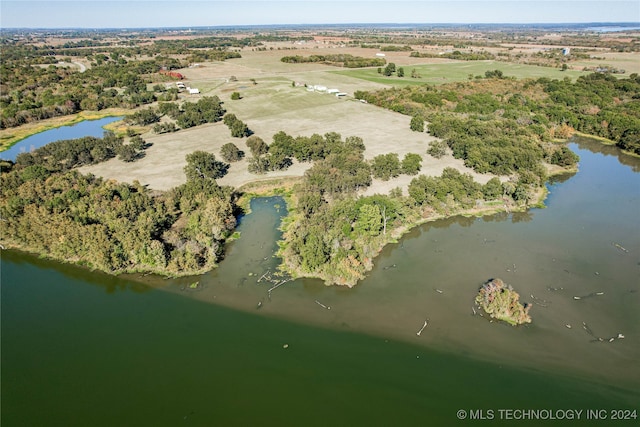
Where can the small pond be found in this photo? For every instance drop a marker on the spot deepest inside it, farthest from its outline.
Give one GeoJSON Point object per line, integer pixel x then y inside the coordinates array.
{"type": "Point", "coordinates": [78, 130]}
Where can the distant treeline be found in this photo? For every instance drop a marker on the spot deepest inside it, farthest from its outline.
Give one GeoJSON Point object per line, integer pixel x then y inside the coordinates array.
{"type": "Point", "coordinates": [117, 76]}
{"type": "Point", "coordinates": [456, 54]}
{"type": "Point", "coordinates": [340, 60]}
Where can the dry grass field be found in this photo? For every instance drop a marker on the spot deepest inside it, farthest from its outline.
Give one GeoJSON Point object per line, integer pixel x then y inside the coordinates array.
{"type": "Point", "coordinates": [274, 105]}
{"type": "Point", "coordinates": [270, 103]}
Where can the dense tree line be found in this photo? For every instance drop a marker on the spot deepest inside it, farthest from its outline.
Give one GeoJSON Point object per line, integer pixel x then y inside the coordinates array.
{"type": "Point", "coordinates": [340, 60]}
{"type": "Point", "coordinates": [456, 54]}
{"type": "Point", "coordinates": [117, 227]}
{"type": "Point", "coordinates": [597, 104]}
{"type": "Point", "coordinates": [207, 109]}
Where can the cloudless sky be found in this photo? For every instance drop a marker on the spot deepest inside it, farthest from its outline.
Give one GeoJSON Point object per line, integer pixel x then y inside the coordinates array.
{"type": "Point", "coordinates": [155, 13]}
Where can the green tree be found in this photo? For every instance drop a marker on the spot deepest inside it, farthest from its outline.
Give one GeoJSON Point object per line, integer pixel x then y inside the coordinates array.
{"type": "Point", "coordinates": [257, 145]}
{"type": "Point", "coordinates": [235, 96]}
{"type": "Point", "coordinates": [564, 157]}
{"type": "Point", "coordinates": [231, 153]}
{"type": "Point", "coordinates": [437, 149]}
{"type": "Point", "coordinates": [314, 252]}
{"type": "Point", "coordinates": [400, 72]}
{"type": "Point", "coordinates": [203, 165]}
{"type": "Point", "coordinates": [389, 69]}
{"type": "Point", "coordinates": [239, 129]}
{"type": "Point", "coordinates": [369, 220]}
{"type": "Point", "coordinates": [385, 166]}
{"type": "Point", "coordinates": [492, 189]}
{"type": "Point", "coordinates": [411, 164]}
{"type": "Point", "coordinates": [417, 124]}
{"type": "Point", "coordinates": [127, 153]}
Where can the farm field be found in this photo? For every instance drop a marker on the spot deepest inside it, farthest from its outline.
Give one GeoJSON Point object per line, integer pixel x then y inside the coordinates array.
{"type": "Point", "coordinates": [447, 72]}
{"type": "Point", "coordinates": [269, 107]}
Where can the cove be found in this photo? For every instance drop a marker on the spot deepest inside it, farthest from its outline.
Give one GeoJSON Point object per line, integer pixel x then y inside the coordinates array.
{"type": "Point", "coordinates": [78, 130]}
{"type": "Point", "coordinates": [84, 348]}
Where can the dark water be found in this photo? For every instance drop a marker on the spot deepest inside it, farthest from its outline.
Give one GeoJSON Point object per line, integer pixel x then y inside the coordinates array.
{"type": "Point", "coordinates": [81, 348]}
{"type": "Point", "coordinates": [79, 130]}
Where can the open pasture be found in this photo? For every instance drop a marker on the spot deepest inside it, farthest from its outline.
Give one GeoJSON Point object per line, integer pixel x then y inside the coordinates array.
{"type": "Point", "coordinates": [453, 71]}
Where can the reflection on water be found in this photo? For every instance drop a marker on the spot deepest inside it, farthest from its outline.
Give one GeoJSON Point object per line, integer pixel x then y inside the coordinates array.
{"type": "Point", "coordinates": [78, 130]}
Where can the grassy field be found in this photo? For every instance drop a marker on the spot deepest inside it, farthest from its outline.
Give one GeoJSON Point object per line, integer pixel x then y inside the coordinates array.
{"type": "Point", "coordinates": [458, 71]}
{"type": "Point", "coordinates": [271, 106]}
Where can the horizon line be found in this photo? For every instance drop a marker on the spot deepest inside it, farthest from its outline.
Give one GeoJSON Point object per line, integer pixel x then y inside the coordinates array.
{"type": "Point", "coordinates": [345, 24]}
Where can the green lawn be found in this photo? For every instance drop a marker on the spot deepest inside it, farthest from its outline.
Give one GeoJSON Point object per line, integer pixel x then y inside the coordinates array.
{"type": "Point", "coordinates": [458, 71]}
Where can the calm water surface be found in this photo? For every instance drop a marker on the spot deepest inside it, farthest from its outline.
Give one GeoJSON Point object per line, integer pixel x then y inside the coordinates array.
{"type": "Point", "coordinates": [82, 348]}
{"type": "Point", "coordinates": [79, 130]}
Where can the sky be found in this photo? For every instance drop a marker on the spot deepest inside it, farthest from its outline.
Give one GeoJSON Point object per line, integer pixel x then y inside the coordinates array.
{"type": "Point", "coordinates": [160, 13]}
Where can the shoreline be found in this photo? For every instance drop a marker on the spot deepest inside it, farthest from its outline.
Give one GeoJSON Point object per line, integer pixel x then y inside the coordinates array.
{"type": "Point", "coordinates": [491, 208]}
{"type": "Point", "coordinates": [282, 187]}
{"type": "Point", "coordinates": [11, 136]}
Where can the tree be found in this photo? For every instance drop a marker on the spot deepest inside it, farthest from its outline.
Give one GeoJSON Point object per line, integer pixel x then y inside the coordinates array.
{"type": "Point", "coordinates": [493, 74]}
{"type": "Point", "coordinates": [369, 220]}
{"type": "Point", "coordinates": [411, 164]}
{"type": "Point", "coordinates": [400, 72]}
{"type": "Point", "coordinates": [239, 129]}
{"type": "Point", "coordinates": [385, 166]}
{"type": "Point", "coordinates": [258, 164]}
{"type": "Point", "coordinates": [257, 145]}
{"type": "Point", "coordinates": [203, 165]}
{"type": "Point", "coordinates": [313, 252]}
{"type": "Point", "coordinates": [564, 157]}
{"type": "Point", "coordinates": [235, 96]}
{"type": "Point", "coordinates": [231, 153]}
{"type": "Point", "coordinates": [437, 149]}
{"type": "Point", "coordinates": [417, 124]}
{"type": "Point", "coordinates": [144, 117]}
{"type": "Point", "coordinates": [137, 142]}
{"type": "Point", "coordinates": [127, 153]}
{"type": "Point", "coordinates": [492, 189]}
{"type": "Point", "coordinates": [389, 69]}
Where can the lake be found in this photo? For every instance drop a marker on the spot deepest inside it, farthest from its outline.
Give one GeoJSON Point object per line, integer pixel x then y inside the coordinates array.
{"type": "Point", "coordinates": [78, 130]}
{"type": "Point", "coordinates": [83, 348]}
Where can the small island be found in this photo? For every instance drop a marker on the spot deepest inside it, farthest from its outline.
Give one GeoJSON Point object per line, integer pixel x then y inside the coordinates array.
{"type": "Point", "coordinates": [501, 302]}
